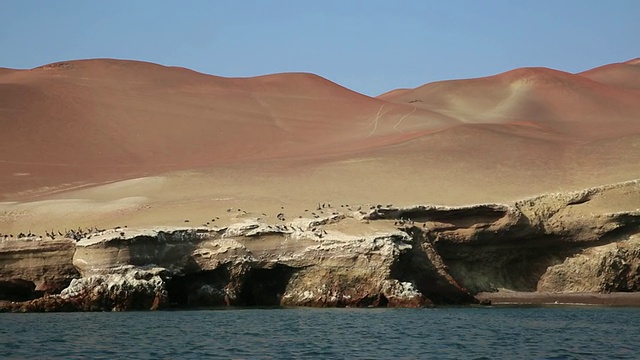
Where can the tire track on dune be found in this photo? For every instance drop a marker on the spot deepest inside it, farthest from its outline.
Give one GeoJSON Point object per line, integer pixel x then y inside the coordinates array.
{"type": "Point", "coordinates": [277, 121]}
{"type": "Point", "coordinates": [374, 122]}
{"type": "Point", "coordinates": [395, 127]}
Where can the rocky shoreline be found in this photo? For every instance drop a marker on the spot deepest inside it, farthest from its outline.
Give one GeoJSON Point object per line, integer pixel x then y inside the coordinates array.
{"type": "Point", "coordinates": [553, 246]}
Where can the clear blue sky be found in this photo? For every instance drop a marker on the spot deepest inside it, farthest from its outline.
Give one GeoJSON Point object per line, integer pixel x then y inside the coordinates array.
{"type": "Point", "coordinates": [368, 46]}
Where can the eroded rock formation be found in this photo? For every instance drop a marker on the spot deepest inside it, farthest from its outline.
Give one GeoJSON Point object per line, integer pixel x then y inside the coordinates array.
{"type": "Point", "coordinates": [30, 267]}
{"type": "Point", "coordinates": [584, 241]}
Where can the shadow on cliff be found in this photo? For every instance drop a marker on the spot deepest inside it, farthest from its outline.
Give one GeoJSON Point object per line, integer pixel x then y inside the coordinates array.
{"type": "Point", "coordinates": [481, 267]}
{"type": "Point", "coordinates": [484, 248]}
{"type": "Point", "coordinates": [423, 267]}
{"type": "Point", "coordinates": [265, 287]}
{"type": "Point", "coordinates": [516, 258]}
{"type": "Point", "coordinates": [229, 284]}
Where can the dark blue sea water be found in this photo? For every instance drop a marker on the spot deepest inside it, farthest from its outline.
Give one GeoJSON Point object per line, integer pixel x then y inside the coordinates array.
{"type": "Point", "coordinates": [440, 333]}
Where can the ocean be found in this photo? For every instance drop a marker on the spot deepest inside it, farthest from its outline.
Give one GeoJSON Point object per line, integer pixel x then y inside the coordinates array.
{"type": "Point", "coordinates": [558, 332]}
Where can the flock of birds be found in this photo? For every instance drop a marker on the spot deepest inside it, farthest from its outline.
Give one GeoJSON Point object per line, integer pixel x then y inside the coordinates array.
{"type": "Point", "coordinates": [75, 234]}
{"type": "Point", "coordinates": [322, 209]}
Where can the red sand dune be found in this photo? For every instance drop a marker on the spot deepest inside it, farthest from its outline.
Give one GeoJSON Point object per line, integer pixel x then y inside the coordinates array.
{"type": "Point", "coordinates": [84, 120]}
{"type": "Point", "coordinates": [91, 121]}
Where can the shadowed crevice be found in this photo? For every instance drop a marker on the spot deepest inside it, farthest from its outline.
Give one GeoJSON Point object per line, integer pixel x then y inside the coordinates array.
{"type": "Point", "coordinates": [265, 287]}
{"type": "Point", "coordinates": [18, 290]}
{"type": "Point", "coordinates": [424, 268]}
{"type": "Point", "coordinates": [200, 289]}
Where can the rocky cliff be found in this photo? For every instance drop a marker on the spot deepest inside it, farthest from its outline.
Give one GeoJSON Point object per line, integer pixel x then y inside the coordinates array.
{"type": "Point", "coordinates": [585, 241]}
{"type": "Point", "coordinates": [31, 267]}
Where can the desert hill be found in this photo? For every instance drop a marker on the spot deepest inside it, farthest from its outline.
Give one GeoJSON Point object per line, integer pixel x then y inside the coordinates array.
{"type": "Point", "coordinates": [599, 104]}
{"type": "Point", "coordinates": [96, 120]}
{"type": "Point", "coordinates": [94, 142]}
{"type": "Point", "coordinates": [625, 74]}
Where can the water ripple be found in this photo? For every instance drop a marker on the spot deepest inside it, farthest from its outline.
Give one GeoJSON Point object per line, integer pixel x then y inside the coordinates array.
{"type": "Point", "coordinates": [443, 333]}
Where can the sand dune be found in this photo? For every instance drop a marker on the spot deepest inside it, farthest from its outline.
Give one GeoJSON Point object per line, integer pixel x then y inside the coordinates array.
{"type": "Point", "coordinates": [576, 107]}
{"type": "Point", "coordinates": [625, 75]}
{"type": "Point", "coordinates": [295, 138]}
{"type": "Point", "coordinates": [85, 120]}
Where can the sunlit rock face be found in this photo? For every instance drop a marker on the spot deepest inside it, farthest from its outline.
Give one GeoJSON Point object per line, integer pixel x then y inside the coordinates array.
{"type": "Point", "coordinates": [31, 266]}
{"type": "Point", "coordinates": [613, 267]}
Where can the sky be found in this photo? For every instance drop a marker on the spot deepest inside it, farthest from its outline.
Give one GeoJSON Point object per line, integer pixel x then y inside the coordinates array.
{"type": "Point", "coordinates": [367, 46]}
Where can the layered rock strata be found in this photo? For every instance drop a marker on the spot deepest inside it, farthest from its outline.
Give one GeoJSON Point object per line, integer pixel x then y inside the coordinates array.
{"type": "Point", "coordinates": [31, 267]}
{"type": "Point", "coordinates": [585, 241]}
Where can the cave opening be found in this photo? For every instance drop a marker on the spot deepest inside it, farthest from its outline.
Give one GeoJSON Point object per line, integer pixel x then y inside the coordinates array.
{"type": "Point", "coordinates": [374, 301]}
{"type": "Point", "coordinates": [265, 287]}
{"type": "Point", "coordinates": [18, 290]}
{"type": "Point", "coordinates": [199, 289]}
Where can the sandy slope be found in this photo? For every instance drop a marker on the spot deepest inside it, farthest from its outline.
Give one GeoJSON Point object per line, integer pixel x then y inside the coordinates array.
{"type": "Point", "coordinates": [603, 103]}
{"type": "Point", "coordinates": [102, 120]}
{"type": "Point", "coordinates": [626, 75]}
{"type": "Point", "coordinates": [197, 144]}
